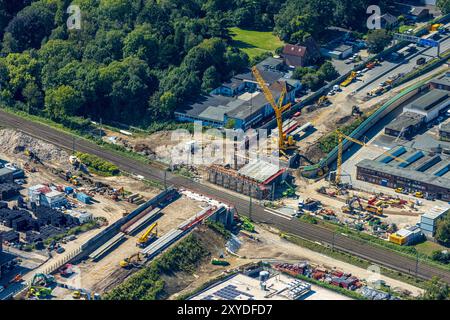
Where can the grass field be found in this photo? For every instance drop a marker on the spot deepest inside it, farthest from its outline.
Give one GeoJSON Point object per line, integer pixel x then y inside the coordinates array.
{"type": "Point", "coordinates": [255, 42]}
{"type": "Point", "coordinates": [427, 247]}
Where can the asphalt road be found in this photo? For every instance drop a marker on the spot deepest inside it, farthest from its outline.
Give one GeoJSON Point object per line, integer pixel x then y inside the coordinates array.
{"type": "Point", "coordinates": [395, 68]}
{"type": "Point", "coordinates": [260, 214]}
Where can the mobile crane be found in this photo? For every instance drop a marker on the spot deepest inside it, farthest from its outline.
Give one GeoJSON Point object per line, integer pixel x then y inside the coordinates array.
{"type": "Point", "coordinates": [150, 233]}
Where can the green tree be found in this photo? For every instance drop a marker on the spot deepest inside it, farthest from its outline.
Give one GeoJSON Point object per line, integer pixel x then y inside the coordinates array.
{"type": "Point", "coordinates": [62, 101]}
{"type": "Point", "coordinates": [231, 123]}
{"type": "Point", "coordinates": [312, 81]}
{"type": "Point", "coordinates": [443, 231]}
{"type": "Point", "coordinates": [211, 79]}
{"type": "Point", "coordinates": [436, 290]}
{"type": "Point", "coordinates": [33, 95]}
{"type": "Point", "coordinates": [299, 72]}
{"type": "Point", "coordinates": [142, 43]}
{"type": "Point", "coordinates": [328, 71]}
{"type": "Point", "coordinates": [377, 40]}
{"type": "Point", "coordinates": [444, 6]}
{"type": "Point", "coordinates": [31, 25]}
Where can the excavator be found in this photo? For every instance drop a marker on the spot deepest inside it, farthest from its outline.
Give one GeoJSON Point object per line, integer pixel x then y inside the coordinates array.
{"type": "Point", "coordinates": [40, 286]}
{"type": "Point", "coordinates": [349, 208]}
{"type": "Point", "coordinates": [130, 261]}
{"type": "Point", "coordinates": [148, 235]}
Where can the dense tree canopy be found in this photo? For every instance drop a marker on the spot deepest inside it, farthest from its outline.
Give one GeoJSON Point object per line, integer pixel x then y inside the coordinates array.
{"type": "Point", "coordinates": [135, 61]}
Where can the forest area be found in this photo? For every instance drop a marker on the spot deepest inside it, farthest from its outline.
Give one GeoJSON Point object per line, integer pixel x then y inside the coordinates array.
{"type": "Point", "coordinates": [135, 61]}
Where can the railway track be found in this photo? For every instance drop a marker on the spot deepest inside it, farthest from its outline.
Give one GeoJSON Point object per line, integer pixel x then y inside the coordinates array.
{"type": "Point", "coordinates": [310, 232]}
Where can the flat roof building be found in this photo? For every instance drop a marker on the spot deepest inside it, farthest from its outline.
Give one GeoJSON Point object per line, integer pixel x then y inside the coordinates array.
{"type": "Point", "coordinates": [444, 132]}
{"type": "Point", "coordinates": [243, 287]}
{"type": "Point", "coordinates": [428, 221]}
{"type": "Point", "coordinates": [406, 125]}
{"type": "Point", "coordinates": [440, 83]}
{"type": "Point", "coordinates": [238, 101]}
{"type": "Point", "coordinates": [430, 104]}
{"type": "Point", "coordinates": [419, 171]}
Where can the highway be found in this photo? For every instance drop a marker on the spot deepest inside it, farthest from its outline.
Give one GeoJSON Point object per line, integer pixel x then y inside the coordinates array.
{"type": "Point", "coordinates": [389, 68]}
{"type": "Point", "coordinates": [260, 214]}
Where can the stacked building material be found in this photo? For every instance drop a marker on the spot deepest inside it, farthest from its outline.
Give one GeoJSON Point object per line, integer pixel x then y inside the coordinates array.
{"type": "Point", "coordinates": [8, 190]}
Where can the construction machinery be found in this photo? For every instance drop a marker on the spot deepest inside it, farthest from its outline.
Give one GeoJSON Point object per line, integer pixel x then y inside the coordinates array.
{"type": "Point", "coordinates": [290, 190]}
{"type": "Point", "coordinates": [341, 138]}
{"type": "Point", "coordinates": [41, 279]}
{"type": "Point", "coordinates": [131, 261]}
{"type": "Point", "coordinates": [283, 143]}
{"type": "Point", "coordinates": [219, 262]}
{"type": "Point", "coordinates": [418, 194]}
{"type": "Point", "coordinates": [349, 79]}
{"type": "Point", "coordinates": [148, 235]}
{"type": "Point", "coordinates": [39, 292]}
{"type": "Point", "coordinates": [374, 210]}
{"type": "Point", "coordinates": [40, 286]}
{"type": "Point", "coordinates": [349, 208]}
{"type": "Point", "coordinates": [323, 101]}
{"type": "Point", "coordinates": [356, 111]}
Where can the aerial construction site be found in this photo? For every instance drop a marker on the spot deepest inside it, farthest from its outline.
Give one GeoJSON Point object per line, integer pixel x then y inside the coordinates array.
{"type": "Point", "coordinates": [280, 153]}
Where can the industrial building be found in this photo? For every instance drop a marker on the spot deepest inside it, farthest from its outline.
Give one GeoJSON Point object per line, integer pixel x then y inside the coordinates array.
{"type": "Point", "coordinates": [266, 287]}
{"type": "Point", "coordinates": [237, 103]}
{"type": "Point", "coordinates": [430, 104]}
{"type": "Point", "coordinates": [406, 236]}
{"type": "Point", "coordinates": [45, 196]}
{"type": "Point", "coordinates": [258, 178]}
{"type": "Point", "coordinates": [444, 132]}
{"type": "Point", "coordinates": [440, 83]}
{"type": "Point", "coordinates": [337, 51]}
{"type": "Point", "coordinates": [428, 221]}
{"type": "Point", "coordinates": [419, 171]}
{"type": "Point", "coordinates": [406, 125]}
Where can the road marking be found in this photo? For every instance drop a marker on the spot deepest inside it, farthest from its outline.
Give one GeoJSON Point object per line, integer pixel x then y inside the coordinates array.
{"type": "Point", "coordinates": [281, 215]}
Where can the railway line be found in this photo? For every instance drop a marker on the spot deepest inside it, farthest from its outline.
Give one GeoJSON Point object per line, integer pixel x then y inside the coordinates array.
{"type": "Point", "coordinates": [307, 231]}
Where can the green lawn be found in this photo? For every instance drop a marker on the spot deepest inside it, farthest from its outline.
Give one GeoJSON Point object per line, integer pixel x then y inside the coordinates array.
{"type": "Point", "coordinates": [254, 42]}
{"type": "Point", "coordinates": [427, 247]}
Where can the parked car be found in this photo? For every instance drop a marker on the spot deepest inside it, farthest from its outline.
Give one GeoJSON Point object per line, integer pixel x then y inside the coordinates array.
{"type": "Point", "coordinates": [420, 61]}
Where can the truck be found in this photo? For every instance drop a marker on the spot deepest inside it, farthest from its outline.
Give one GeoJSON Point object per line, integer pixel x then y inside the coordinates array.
{"type": "Point", "coordinates": [374, 210]}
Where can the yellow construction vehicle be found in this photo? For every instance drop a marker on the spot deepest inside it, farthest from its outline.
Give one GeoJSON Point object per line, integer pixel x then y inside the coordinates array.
{"type": "Point", "coordinates": [283, 144]}
{"type": "Point", "coordinates": [150, 233]}
{"type": "Point", "coordinates": [349, 79]}
{"type": "Point", "coordinates": [374, 210]}
{"type": "Point", "coordinates": [418, 194]}
{"type": "Point", "coordinates": [341, 138]}
{"type": "Point", "coordinates": [129, 262]}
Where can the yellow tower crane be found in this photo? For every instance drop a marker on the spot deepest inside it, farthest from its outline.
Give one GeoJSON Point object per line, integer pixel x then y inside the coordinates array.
{"type": "Point", "coordinates": [341, 137]}
{"type": "Point", "coordinates": [278, 108]}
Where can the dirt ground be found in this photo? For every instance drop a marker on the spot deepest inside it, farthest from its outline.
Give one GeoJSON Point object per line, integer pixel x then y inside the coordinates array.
{"type": "Point", "coordinates": [106, 273]}
{"type": "Point", "coordinates": [273, 248]}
